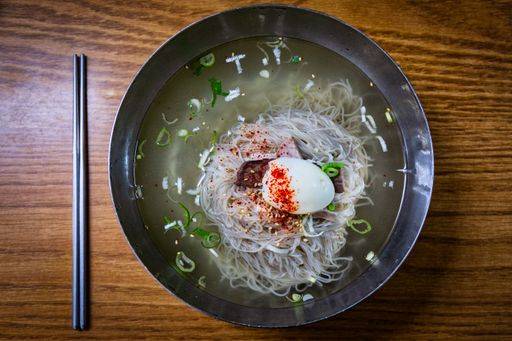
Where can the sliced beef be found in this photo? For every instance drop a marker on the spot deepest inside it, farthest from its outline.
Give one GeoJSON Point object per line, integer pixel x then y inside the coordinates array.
{"type": "Point", "coordinates": [289, 148]}
{"type": "Point", "coordinates": [251, 173]}
{"type": "Point", "coordinates": [337, 181]}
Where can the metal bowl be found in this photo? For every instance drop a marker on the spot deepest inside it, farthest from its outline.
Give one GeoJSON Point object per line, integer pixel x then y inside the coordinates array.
{"type": "Point", "coordinates": [290, 22]}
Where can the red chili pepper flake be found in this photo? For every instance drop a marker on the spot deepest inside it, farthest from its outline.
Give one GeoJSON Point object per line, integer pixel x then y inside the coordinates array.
{"type": "Point", "coordinates": [277, 219]}
{"type": "Point", "coordinates": [280, 190]}
{"type": "Point", "coordinates": [250, 134]}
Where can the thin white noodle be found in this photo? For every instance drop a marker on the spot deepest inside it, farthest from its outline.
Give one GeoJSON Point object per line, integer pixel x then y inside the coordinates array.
{"type": "Point", "coordinates": [253, 253]}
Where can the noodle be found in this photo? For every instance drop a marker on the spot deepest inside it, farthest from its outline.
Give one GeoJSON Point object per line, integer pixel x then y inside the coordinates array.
{"type": "Point", "coordinates": [265, 249]}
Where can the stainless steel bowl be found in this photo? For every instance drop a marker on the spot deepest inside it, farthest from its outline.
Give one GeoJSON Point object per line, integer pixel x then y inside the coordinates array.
{"type": "Point", "coordinates": [290, 22]}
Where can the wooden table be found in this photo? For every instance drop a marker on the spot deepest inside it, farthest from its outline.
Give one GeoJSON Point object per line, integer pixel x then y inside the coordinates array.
{"type": "Point", "coordinates": [458, 279]}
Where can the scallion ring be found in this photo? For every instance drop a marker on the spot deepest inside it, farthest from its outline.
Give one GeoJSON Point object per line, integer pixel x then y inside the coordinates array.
{"type": "Point", "coordinates": [331, 171]}
{"type": "Point", "coordinates": [201, 233]}
{"type": "Point", "coordinates": [140, 153]}
{"type": "Point", "coordinates": [209, 240]}
{"type": "Point", "coordinates": [184, 134]}
{"type": "Point", "coordinates": [213, 139]}
{"type": "Point", "coordinates": [194, 106]}
{"type": "Point", "coordinates": [164, 137]}
{"type": "Point", "coordinates": [212, 240]}
{"type": "Point", "coordinates": [202, 281]}
{"type": "Point", "coordinates": [331, 207]}
{"type": "Point", "coordinates": [207, 60]}
{"type": "Point", "coordinates": [335, 164]}
{"type": "Point", "coordinates": [186, 215]}
{"type": "Point", "coordinates": [353, 225]}
{"type": "Point", "coordinates": [296, 298]}
{"type": "Point", "coordinates": [201, 219]}
{"type": "Point", "coordinates": [389, 118]}
{"type": "Point", "coordinates": [184, 263]}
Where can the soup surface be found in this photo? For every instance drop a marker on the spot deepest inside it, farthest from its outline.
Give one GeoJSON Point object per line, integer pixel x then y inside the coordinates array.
{"type": "Point", "coordinates": [247, 76]}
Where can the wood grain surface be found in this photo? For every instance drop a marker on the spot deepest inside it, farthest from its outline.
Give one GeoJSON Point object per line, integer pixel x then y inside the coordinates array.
{"type": "Point", "coordinates": [457, 281]}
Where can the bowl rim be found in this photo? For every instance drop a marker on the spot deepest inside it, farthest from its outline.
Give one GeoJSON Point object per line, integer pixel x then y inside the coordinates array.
{"type": "Point", "coordinates": [418, 152]}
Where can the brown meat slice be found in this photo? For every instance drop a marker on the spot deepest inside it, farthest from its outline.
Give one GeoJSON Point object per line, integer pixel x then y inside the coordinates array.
{"type": "Point", "coordinates": [289, 148]}
{"type": "Point", "coordinates": [251, 173]}
{"type": "Point", "coordinates": [337, 181]}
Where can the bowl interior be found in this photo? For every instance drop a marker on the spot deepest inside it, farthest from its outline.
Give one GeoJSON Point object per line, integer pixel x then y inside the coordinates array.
{"type": "Point", "coordinates": [154, 84]}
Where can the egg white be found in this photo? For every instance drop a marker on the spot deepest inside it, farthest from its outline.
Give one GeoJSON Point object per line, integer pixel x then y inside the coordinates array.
{"type": "Point", "coordinates": [313, 189]}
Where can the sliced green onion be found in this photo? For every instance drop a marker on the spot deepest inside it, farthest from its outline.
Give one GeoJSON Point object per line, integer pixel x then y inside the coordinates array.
{"type": "Point", "coordinates": [298, 92]}
{"type": "Point", "coordinates": [184, 134]}
{"type": "Point", "coordinates": [209, 239]}
{"type": "Point", "coordinates": [265, 74]}
{"type": "Point", "coordinates": [186, 215]}
{"type": "Point", "coordinates": [202, 281]}
{"type": "Point", "coordinates": [205, 61]}
{"type": "Point", "coordinates": [138, 192]}
{"type": "Point", "coordinates": [204, 159]}
{"type": "Point", "coordinates": [181, 228]}
{"type": "Point", "coordinates": [195, 220]}
{"type": "Point", "coordinates": [165, 183]}
{"type": "Point", "coordinates": [331, 207]}
{"type": "Point", "coordinates": [332, 168]}
{"type": "Point", "coordinates": [208, 60]}
{"type": "Point", "coordinates": [169, 225]}
{"type": "Point", "coordinates": [213, 139]}
{"type": "Point", "coordinates": [140, 153]}
{"type": "Point", "coordinates": [370, 256]}
{"type": "Point", "coordinates": [307, 297]}
{"type": "Point", "coordinates": [337, 165]}
{"type": "Point", "coordinates": [353, 225]}
{"type": "Point", "coordinates": [216, 86]}
{"type": "Point", "coordinates": [199, 232]}
{"type": "Point", "coordinates": [296, 59]}
{"type": "Point", "coordinates": [296, 298]}
{"type": "Point", "coordinates": [331, 171]}
{"type": "Point", "coordinates": [167, 121]}
{"type": "Point", "coordinates": [194, 106]}
{"type": "Point", "coordinates": [184, 263]}
{"type": "Point", "coordinates": [389, 118]}
{"type": "Point", "coordinates": [164, 137]}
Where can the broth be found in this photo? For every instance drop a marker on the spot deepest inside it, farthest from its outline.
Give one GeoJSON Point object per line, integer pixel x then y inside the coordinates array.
{"type": "Point", "coordinates": [179, 159]}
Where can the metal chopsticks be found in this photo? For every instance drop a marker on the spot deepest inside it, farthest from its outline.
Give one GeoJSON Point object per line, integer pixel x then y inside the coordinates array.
{"type": "Point", "coordinates": [79, 225]}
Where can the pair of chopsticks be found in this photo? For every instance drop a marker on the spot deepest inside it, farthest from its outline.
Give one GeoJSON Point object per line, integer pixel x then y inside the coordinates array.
{"type": "Point", "coordinates": [80, 287]}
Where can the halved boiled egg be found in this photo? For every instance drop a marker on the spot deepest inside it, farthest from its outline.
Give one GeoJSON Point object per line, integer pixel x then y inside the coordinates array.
{"type": "Point", "coordinates": [296, 186]}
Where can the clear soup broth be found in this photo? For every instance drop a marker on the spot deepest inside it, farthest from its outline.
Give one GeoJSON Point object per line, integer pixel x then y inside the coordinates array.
{"type": "Point", "coordinates": [261, 77]}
